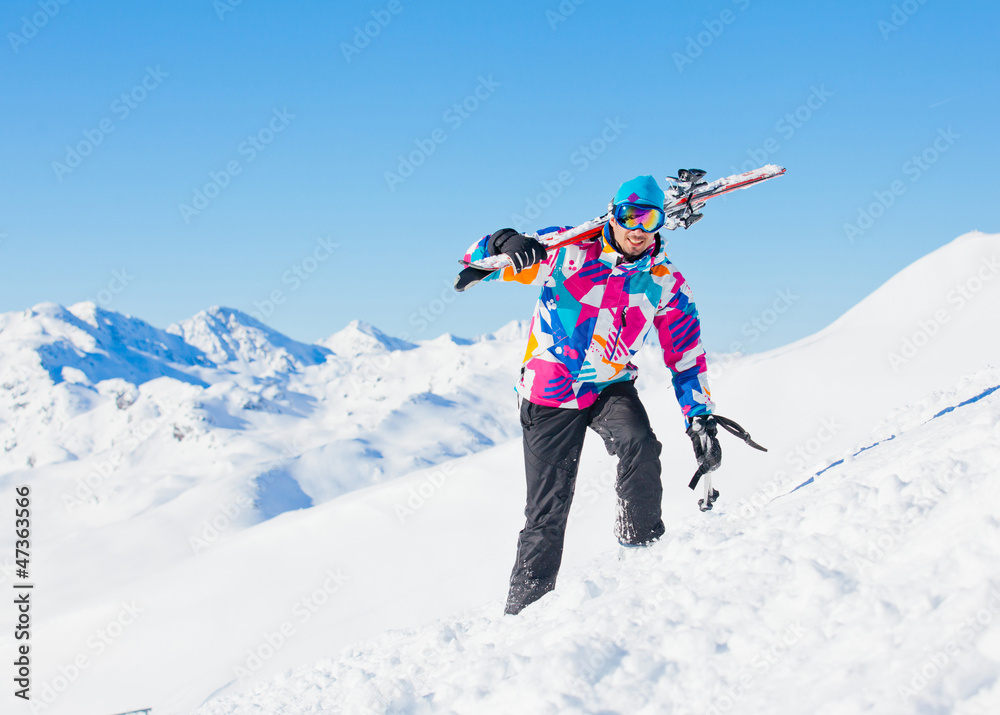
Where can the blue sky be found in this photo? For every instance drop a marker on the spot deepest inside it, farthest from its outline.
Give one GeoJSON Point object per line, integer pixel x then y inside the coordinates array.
{"type": "Point", "coordinates": [291, 120]}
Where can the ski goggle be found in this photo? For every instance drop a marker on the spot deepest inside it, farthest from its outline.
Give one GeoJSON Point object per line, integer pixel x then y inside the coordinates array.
{"type": "Point", "coordinates": [645, 218]}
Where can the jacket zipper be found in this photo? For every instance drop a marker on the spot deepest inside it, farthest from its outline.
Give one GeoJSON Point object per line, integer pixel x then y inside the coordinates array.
{"type": "Point", "coordinates": [614, 348]}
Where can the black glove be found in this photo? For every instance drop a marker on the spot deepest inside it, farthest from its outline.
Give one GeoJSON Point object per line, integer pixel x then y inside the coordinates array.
{"type": "Point", "coordinates": [524, 251]}
{"type": "Point", "coordinates": [707, 450]}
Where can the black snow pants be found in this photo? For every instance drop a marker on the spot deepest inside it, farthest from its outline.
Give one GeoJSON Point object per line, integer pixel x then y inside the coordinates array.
{"type": "Point", "coordinates": [553, 439]}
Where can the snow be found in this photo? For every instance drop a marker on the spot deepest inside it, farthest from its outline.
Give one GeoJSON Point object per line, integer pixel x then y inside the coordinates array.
{"type": "Point", "coordinates": [269, 526]}
{"type": "Point", "coordinates": [225, 335]}
{"type": "Point", "coordinates": [840, 598]}
{"type": "Point", "coordinates": [359, 339]}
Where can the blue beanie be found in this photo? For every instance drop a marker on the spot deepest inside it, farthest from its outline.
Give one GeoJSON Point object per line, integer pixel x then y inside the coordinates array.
{"type": "Point", "coordinates": [642, 190]}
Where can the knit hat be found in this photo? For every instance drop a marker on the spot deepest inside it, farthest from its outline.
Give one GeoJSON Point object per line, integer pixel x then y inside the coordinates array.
{"type": "Point", "coordinates": [642, 190]}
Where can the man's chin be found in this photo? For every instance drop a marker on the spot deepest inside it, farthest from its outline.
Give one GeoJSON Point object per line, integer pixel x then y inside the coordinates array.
{"type": "Point", "coordinates": [633, 253]}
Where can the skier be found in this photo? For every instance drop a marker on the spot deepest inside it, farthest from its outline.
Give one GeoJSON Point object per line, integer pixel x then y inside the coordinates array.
{"type": "Point", "coordinates": [598, 301]}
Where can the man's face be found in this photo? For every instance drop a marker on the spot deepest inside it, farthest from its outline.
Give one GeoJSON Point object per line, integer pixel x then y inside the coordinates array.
{"type": "Point", "coordinates": [633, 242]}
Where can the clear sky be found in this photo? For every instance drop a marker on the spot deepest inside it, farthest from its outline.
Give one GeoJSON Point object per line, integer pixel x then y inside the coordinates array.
{"type": "Point", "coordinates": [163, 157]}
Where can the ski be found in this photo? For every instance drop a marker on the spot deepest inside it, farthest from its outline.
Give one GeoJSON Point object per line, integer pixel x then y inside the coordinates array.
{"type": "Point", "coordinates": [689, 192]}
{"type": "Point", "coordinates": [685, 197]}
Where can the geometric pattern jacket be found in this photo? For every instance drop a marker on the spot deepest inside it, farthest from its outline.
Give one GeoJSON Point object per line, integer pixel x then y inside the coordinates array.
{"type": "Point", "coordinates": [592, 316]}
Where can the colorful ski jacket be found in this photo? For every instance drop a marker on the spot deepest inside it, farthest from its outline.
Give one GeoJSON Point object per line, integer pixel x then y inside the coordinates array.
{"type": "Point", "coordinates": [592, 316]}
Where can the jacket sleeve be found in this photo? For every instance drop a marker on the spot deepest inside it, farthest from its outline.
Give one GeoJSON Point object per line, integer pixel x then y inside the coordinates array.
{"type": "Point", "coordinates": [679, 331]}
{"type": "Point", "coordinates": [532, 275]}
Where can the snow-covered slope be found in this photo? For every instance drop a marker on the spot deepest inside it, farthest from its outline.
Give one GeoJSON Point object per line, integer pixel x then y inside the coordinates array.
{"type": "Point", "coordinates": [921, 331]}
{"type": "Point", "coordinates": [872, 587]}
{"type": "Point", "coordinates": [145, 451]}
{"type": "Point", "coordinates": [179, 480]}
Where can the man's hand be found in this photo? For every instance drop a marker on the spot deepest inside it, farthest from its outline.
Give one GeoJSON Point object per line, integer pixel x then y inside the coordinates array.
{"type": "Point", "coordinates": [524, 251]}
{"type": "Point", "coordinates": [707, 449]}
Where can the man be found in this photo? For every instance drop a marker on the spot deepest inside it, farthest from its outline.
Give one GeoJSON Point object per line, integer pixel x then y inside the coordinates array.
{"type": "Point", "coordinates": [599, 299]}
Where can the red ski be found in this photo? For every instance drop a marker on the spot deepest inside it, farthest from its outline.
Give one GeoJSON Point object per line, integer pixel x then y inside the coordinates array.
{"type": "Point", "coordinates": [685, 198]}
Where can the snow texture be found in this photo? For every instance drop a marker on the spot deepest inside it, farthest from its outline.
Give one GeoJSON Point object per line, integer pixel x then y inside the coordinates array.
{"type": "Point", "coordinates": [230, 520]}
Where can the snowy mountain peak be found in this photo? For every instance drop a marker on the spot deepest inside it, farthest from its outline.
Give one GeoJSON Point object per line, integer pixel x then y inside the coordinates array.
{"type": "Point", "coordinates": [91, 344]}
{"type": "Point", "coordinates": [87, 311]}
{"type": "Point", "coordinates": [515, 330]}
{"type": "Point", "coordinates": [227, 335]}
{"type": "Point", "coordinates": [361, 338]}
{"type": "Point", "coordinates": [447, 339]}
